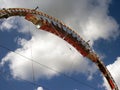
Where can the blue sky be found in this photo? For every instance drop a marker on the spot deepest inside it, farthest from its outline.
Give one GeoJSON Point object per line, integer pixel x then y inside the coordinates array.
{"type": "Point", "coordinates": [59, 68]}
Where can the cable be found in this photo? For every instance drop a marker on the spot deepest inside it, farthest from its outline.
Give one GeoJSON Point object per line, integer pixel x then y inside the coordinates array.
{"type": "Point", "coordinates": [69, 77]}
{"type": "Point", "coordinates": [33, 74]}
{"type": "Point", "coordinates": [51, 69]}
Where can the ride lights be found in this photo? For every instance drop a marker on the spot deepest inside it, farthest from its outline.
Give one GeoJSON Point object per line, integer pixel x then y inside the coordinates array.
{"type": "Point", "coordinates": [38, 26]}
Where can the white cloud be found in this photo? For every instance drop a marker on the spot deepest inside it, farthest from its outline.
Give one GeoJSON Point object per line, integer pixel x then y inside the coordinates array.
{"type": "Point", "coordinates": [58, 57]}
{"type": "Point", "coordinates": [92, 21]}
{"type": "Point", "coordinates": [8, 24]}
{"type": "Point", "coordinates": [40, 88]}
{"type": "Point", "coordinates": [88, 17]}
{"type": "Point", "coordinates": [115, 72]}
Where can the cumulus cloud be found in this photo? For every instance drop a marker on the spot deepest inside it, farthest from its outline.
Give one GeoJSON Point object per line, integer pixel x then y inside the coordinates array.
{"type": "Point", "coordinates": [93, 18]}
{"type": "Point", "coordinates": [115, 72]}
{"type": "Point", "coordinates": [87, 17]}
{"type": "Point", "coordinates": [10, 24]}
{"type": "Point", "coordinates": [60, 57]}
